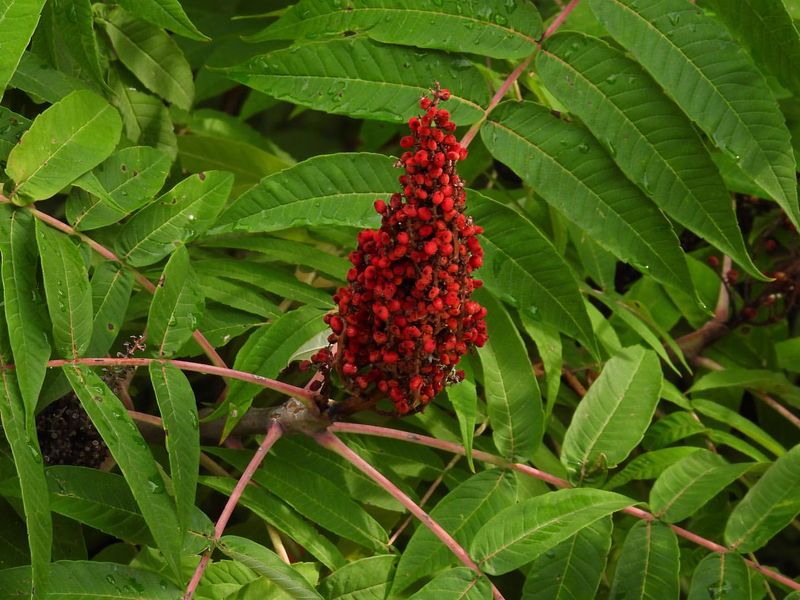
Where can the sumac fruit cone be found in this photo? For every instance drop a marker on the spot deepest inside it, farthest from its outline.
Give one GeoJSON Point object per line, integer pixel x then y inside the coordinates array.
{"type": "Point", "coordinates": [405, 318]}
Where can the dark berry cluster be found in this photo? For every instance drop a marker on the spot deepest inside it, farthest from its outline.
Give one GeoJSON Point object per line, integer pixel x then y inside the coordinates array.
{"type": "Point", "coordinates": [67, 436]}
{"type": "Point", "coordinates": [405, 318]}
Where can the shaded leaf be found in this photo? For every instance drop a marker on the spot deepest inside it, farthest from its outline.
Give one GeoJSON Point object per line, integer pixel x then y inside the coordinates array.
{"type": "Point", "coordinates": [164, 13]}
{"type": "Point", "coordinates": [18, 20]}
{"type": "Point", "coordinates": [649, 465]}
{"type": "Point", "coordinates": [111, 292]}
{"type": "Point", "coordinates": [363, 579]}
{"type": "Point", "coordinates": [459, 583]}
{"type": "Point", "coordinates": [41, 81]}
{"type": "Point", "coordinates": [722, 577]}
{"type": "Point", "coordinates": [12, 126]}
{"type": "Point", "coordinates": [733, 419]}
{"type": "Point", "coordinates": [648, 566]}
{"type": "Point", "coordinates": [464, 398]}
{"type": "Point", "coordinates": [75, 21]}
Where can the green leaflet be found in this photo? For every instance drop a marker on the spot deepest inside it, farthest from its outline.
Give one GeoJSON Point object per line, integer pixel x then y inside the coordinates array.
{"type": "Point", "coordinates": [66, 140]}
{"type": "Point", "coordinates": [165, 13]}
{"type": "Point", "coordinates": [111, 292]}
{"type": "Point", "coordinates": [459, 583]}
{"type": "Point", "coordinates": [647, 135]}
{"type": "Point", "coordinates": [69, 294]}
{"type": "Point", "coordinates": [18, 19]}
{"type": "Point", "coordinates": [768, 506]}
{"type": "Point", "coordinates": [648, 567]}
{"type": "Point", "coordinates": [486, 27]}
{"type": "Point", "coordinates": [614, 415]}
{"type": "Point", "coordinates": [573, 173]}
{"type": "Point", "coordinates": [364, 79]}
{"type": "Point", "coordinates": [723, 576]}
{"type": "Point", "coordinates": [513, 400]}
{"type": "Point", "coordinates": [693, 57]}
{"type": "Point", "coordinates": [362, 579]}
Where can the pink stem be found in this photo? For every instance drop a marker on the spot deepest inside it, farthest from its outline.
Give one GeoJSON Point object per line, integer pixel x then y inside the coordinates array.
{"type": "Point", "coordinates": [516, 73]}
{"type": "Point", "coordinates": [425, 440]}
{"type": "Point", "coordinates": [327, 440]}
{"type": "Point", "coordinates": [306, 396]}
{"type": "Point", "coordinates": [202, 341]}
{"type": "Point", "coordinates": [274, 432]}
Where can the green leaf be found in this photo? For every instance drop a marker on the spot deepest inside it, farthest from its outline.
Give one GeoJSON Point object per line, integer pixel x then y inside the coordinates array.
{"type": "Point", "coordinates": [573, 568]}
{"type": "Point", "coordinates": [165, 13]}
{"type": "Point", "coordinates": [733, 419]}
{"type": "Point", "coordinates": [755, 379]}
{"type": "Point", "coordinates": [648, 566]}
{"type": "Point", "coordinates": [461, 513]}
{"type": "Point", "coordinates": [237, 295]}
{"type": "Point", "coordinates": [363, 79]}
{"type": "Point", "coordinates": [694, 59]}
{"type": "Point", "coordinates": [12, 126]}
{"type": "Point", "coordinates": [364, 579]}
{"type": "Point", "coordinates": [522, 267]}
{"type": "Point", "coordinates": [487, 28]}
{"type": "Point", "coordinates": [145, 117]}
{"type": "Point", "coordinates": [548, 343]}
{"type": "Point", "coordinates": [271, 509]}
{"type": "Point", "coordinates": [18, 20]}
{"type": "Point", "coordinates": [133, 457]}
{"type": "Point", "coordinates": [111, 291]}
{"type": "Point", "coordinates": [613, 416]}
{"type": "Point", "coordinates": [23, 301]}
{"type": "Point", "coordinates": [269, 565]}
{"type": "Point", "coordinates": [459, 583]}
{"type": "Point", "coordinates": [84, 579]}
{"type": "Point", "coordinates": [334, 189]}
{"type": "Point", "coordinates": [769, 506]}
{"type": "Point", "coordinates": [464, 398]}
{"type": "Point", "coordinates": [178, 409]}
{"type": "Point", "coordinates": [63, 142]}
{"type": "Point", "coordinates": [573, 173]}
{"type": "Point", "coordinates": [520, 533]}
{"type": "Point", "coordinates": [39, 80]}
{"type": "Point", "coordinates": [722, 577]}
{"type": "Point", "coordinates": [127, 180]}
{"type": "Point", "coordinates": [649, 465]}
{"type": "Point", "coordinates": [766, 29]}
{"type": "Point", "coordinates": [153, 56]}
{"type": "Point", "coordinates": [180, 215]}
{"type": "Point", "coordinates": [19, 428]}
{"type": "Point", "coordinates": [513, 400]}
{"type": "Point", "coordinates": [100, 500]}
{"type": "Point", "coordinates": [247, 162]}
{"type": "Point", "coordinates": [75, 22]}
{"type": "Point", "coordinates": [650, 139]}
{"type": "Point", "coordinates": [176, 305]}
{"type": "Point", "coordinates": [687, 485]}
{"type": "Point", "coordinates": [69, 295]}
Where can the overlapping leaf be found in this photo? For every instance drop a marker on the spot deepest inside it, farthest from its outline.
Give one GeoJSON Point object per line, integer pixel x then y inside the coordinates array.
{"type": "Point", "coordinates": [18, 19]}
{"type": "Point", "coordinates": [721, 576]}
{"type": "Point", "coordinates": [648, 566]}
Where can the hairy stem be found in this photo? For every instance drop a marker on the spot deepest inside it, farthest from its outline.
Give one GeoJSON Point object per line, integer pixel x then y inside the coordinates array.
{"type": "Point", "coordinates": [327, 440]}
{"type": "Point", "coordinates": [547, 477]}
{"type": "Point", "coordinates": [274, 432]}
{"type": "Point", "coordinates": [516, 73]}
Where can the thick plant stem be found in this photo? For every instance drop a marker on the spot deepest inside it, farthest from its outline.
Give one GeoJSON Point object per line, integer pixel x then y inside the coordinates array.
{"type": "Point", "coordinates": [516, 73]}
{"type": "Point", "coordinates": [274, 432]}
{"type": "Point", "coordinates": [327, 440]}
{"type": "Point", "coordinates": [305, 396]}
{"type": "Point", "coordinates": [547, 477]}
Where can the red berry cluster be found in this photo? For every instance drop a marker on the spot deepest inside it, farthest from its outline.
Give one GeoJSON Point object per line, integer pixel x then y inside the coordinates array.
{"type": "Point", "coordinates": [405, 318]}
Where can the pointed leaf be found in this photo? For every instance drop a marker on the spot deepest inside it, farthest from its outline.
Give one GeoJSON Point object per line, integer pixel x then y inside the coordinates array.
{"type": "Point", "coordinates": [648, 565]}
{"type": "Point", "coordinates": [69, 294]}
{"type": "Point", "coordinates": [772, 382]}
{"type": "Point", "coordinates": [459, 583]}
{"type": "Point", "coordinates": [462, 513]}
{"type": "Point", "coordinates": [364, 579]}
{"type": "Point", "coordinates": [722, 577]}
{"type": "Point", "coordinates": [18, 20]}
{"type": "Point", "coordinates": [12, 126]}
{"type": "Point", "coordinates": [153, 56]}
{"type": "Point", "coordinates": [363, 79]}
{"type": "Point", "coordinates": [464, 398]}
{"type": "Point", "coordinates": [147, 121]}
{"type": "Point", "coordinates": [165, 13]}
{"type": "Point", "coordinates": [335, 189]}
{"type": "Point", "coordinates": [523, 268]}
{"type": "Point", "coordinates": [133, 457]}
{"type": "Point", "coordinates": [648, 136]}
{"type": "Point", "coordinates": [75, 22]}
{"type": "Point", "coordinates": [41, 81]}
{"type": "Point", "coordinates": [268, 564]}
{"type": "Point", "coordinates": [520, 533]}
{"type": "Point", "coordinates": [178, 409]}
{"type": "Point", "coordinates": [111, 292]}
{"type": "Point", "coordinates": [513, 400]}
{"type": "Point", "coordinates": [573, 568]}
{"type": "Point", "coordinates": [573, 173]}
{"type": "Point", "coordinates": [63, 142]}
{"type": "Point", "coordinates": [176, 306]}
{"type": "Point", "coordinates": [733, 419]}
{"type": "Point", "coordinates": [707, 74]}
{"type": "Point", "coordinates": [23, 301]}
{"type": "Point", "coordinates": [19, 431]}
{"type": "Point", "coordinates": [769, 506]}
{"type": "Point", "coordinates": [180, 215]}
{"type": "Point", "coordinates": [649, 465]}
{"type": "Point", "coordinates": [613, 416]}
{"type": "Point", "coordinates": [128, 179]}
{"type": "Point", "coordinates": [489, 28]}
{"type": "Point", "coordinates": [687, 485]}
